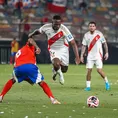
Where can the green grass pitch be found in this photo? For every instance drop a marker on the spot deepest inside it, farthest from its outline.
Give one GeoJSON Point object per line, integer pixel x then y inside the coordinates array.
{"type": "Point", "coordinates": [26, 101]}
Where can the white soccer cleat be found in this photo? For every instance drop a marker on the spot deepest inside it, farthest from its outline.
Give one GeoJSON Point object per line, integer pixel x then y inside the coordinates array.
{"type": "Point", "coordinates": [1, 98]}
{"type": "Point", "coordinates": [55, 102]}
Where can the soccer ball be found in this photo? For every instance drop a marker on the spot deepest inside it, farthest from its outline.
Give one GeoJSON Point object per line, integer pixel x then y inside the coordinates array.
{"type": "Point", "coordinates": [92, 101]}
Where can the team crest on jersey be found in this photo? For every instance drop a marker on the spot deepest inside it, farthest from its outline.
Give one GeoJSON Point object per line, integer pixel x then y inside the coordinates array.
{"type": "Point", "coordinates": [69, 36]}
{"type": "Point", "coordinates": [103, 39]}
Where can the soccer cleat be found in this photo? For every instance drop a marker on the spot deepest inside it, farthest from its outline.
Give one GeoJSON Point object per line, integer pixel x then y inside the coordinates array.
{"type": "Point", "coordinates": [55, 102]}
{"type": "Point", "coordinates": [54, 76]}
{"type": "Point", "coordinates": [61, 82]}
{"type": "Point", "coordinates": [61, 79]}
{"type": "Point", "coordinates": [87, 89]}
{"type": "Point", "coordinates": [107, 86]}
{"type": "Point", "coordinates": [1, 98]}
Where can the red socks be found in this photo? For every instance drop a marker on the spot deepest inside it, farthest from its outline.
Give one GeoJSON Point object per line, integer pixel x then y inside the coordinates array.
{"type": "Point", "coordinates": [43, 85]}
{"type": "Point", "coordinates": [7, 87]}
{"type": "Point", "coordinates": [11, 60]}
{"type": "Point", "coordinates": [46, 89]}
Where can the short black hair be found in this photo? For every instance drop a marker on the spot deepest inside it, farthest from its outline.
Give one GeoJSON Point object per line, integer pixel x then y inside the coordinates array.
{"type": "Point", "coordinates": [92, 22]}
{"type": "Point", "coordinates": [56, 17]}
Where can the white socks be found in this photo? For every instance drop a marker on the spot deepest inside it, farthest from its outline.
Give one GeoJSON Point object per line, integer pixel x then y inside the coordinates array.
{"type": "Point", "coordinates": [106, 80]}
{"type": "Point", "coordinates": [52, 99]}
{"type": "Point", "coordinates": [88, 83]}
{"type": "Point", "coordinates": [61, 78]}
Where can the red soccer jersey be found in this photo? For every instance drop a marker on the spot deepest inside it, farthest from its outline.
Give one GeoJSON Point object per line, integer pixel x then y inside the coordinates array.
{"type": "Point", "coordinates": [26, 55]}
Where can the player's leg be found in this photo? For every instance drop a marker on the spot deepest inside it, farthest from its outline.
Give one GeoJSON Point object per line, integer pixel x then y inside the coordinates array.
{"type": "Point", "coordinates": [64, 69]}
{"type": "Point", "coordinates": [6, 88]}
{"type": "Point", "coordinates": [58, 58]}
{"type": "Point", "coordinates": [18, 76]}
{"type": "Point", "coordinates": [89, 67]}
{"type": "Point", "coordinates": [99, 66]}
{"type": "Point", "coordinates": [57, 69]}
{"type": "Point", "coordinates": [36, 77]}
{"type": "Point", "coordinates": [48, 92]}
{"type": "Point", "coordinates": [56, 66]}
{"type": "Point", "coordinates": [55, 58]}
{"type": "Point", "coordinates": [64, 55]}
{"type": "Point", "coordinates": [11, 57]}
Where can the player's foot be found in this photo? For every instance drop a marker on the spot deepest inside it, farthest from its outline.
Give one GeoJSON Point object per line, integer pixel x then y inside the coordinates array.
{"type": "Point", "coordinates": [1, 98]}
{"type": "Point", "coordinates": [55, 102]}
{"type": "Point", "coordinates": [107, 86]}
{"type": "Point", "coordinates": [87, 89]}
{"type": "Point", "coordinates": [61, 79]}
{"type": "Point", "coordinates": [54, 76]}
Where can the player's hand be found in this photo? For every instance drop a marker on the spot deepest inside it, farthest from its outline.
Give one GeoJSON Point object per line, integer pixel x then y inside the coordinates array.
{"type": "Point", "coordinates": [82, 59]}
{"type": "Point", "coordinates": [77, 60]}
{"type": "Point", "coordinates": [38, 51]}
{"type": "Point", "coordinates": [106, 56]}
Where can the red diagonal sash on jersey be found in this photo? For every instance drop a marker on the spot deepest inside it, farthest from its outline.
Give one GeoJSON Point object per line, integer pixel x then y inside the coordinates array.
{"type": "Point", "coordinates": [55, 38]}
{"type": "Point", "coordinates": [96, 38]}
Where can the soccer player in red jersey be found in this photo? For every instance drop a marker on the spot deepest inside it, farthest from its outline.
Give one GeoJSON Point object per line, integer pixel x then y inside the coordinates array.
{"type": "Point", "coordinates": [25, 69]}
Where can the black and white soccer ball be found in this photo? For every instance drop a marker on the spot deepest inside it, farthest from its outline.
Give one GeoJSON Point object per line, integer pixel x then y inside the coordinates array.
{"type": "Point", "coordinates": [92, 101]}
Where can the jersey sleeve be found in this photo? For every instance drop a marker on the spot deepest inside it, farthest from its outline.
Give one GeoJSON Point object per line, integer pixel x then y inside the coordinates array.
{"type": "Point", "coordinates": [84, 40]}
{"type": "Point", "coordinates": [68, 34]}
{"type": "Point", "coordinates": [103, 40]}
{"type": "Point", "coordinates": [41, 29]}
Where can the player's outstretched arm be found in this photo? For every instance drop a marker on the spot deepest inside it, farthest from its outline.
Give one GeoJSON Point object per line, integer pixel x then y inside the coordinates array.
{"type": "Point", "coordinates": [82, 53]}
{"type": "Point", "coordinates": [35, 32]}
{"type": "Point", "coordinates": [75, 49]}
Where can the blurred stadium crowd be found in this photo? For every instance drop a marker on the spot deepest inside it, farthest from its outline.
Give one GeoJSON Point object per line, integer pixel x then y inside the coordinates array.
{"type": "Point", "coordinates": [76, 15]}
{"type": "Point", "coordinates": [19, 17]}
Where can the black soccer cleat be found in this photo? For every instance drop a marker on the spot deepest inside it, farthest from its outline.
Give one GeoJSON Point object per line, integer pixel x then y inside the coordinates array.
{"type": "Point", "coordinates": [54, 76]}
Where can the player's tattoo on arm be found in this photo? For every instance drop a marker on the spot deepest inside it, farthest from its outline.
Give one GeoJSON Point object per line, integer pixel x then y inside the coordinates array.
{"type": "Point", "coordinates": [105, 47]}
{"type": "Point", "coordinates": [83, 50]}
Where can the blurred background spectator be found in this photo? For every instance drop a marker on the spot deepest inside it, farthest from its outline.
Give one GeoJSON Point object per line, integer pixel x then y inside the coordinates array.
{"type": "Point", "coordinates": [14, 49]}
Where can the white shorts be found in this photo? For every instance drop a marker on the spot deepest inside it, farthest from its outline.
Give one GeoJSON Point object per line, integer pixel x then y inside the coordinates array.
{"type": "Point", "coordinates": [62, 55]}
{"type": "Point", "coordinates": [98, 63]}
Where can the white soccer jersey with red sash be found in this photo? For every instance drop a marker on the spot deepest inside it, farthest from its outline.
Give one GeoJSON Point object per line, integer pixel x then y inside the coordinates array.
{"type": "Point", "coordinates": [94, 42]}
{"type": "Point", "coordinates": [57, 40]}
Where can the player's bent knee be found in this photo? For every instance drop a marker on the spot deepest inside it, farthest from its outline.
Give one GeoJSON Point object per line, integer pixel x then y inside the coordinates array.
{"type": "Point", "coordinates": [64, 69]}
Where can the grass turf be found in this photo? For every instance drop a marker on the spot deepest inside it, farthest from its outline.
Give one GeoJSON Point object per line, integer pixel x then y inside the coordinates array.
{"type": "Point", "coordinates": [26, 101]}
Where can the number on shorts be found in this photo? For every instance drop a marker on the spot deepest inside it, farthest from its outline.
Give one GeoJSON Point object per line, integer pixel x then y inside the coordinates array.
{"type": "Point", "coordinates": [52, 54]}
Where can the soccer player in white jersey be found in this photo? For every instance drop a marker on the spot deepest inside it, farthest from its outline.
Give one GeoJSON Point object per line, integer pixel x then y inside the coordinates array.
{"type": "Point", "coordinates": [58, 37]}
{"type": "Point", "coordinates": [94, 39]}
